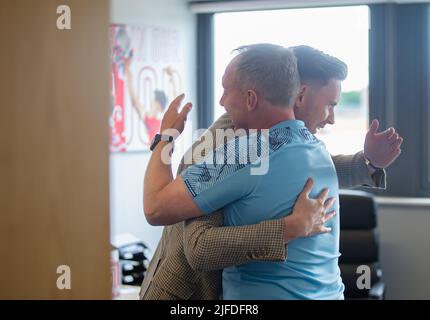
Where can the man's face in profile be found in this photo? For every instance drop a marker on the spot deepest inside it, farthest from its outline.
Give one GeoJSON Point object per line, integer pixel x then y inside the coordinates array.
{"type": "Point", "coordinates": [315, 104]}
{"type": "Point", "coordinates": [233, 99]}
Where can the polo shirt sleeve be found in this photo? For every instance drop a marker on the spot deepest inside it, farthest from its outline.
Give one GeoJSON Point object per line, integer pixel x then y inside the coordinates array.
{"type": "Point", "coordinates": [213, 186]}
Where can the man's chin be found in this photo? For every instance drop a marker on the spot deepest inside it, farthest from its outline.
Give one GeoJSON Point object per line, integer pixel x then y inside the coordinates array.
{"type": "Point", "coordinates": [315, 130]}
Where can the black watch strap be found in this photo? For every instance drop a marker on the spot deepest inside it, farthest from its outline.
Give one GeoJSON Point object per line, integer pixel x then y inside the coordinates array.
{"type": "Point", "coordinates": [160, 137]}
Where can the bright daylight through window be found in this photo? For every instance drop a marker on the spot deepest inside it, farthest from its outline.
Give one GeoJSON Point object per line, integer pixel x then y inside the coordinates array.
{"type": "Point", "coordinates": [338, 31]}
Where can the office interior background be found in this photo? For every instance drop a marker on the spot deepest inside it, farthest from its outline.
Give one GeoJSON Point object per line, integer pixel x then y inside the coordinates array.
{"type": "Point", "coordinates": [69, 192]}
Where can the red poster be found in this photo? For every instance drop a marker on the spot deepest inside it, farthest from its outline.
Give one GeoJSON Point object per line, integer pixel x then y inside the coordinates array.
{"type": "Point", "coordinates": [146, 75]}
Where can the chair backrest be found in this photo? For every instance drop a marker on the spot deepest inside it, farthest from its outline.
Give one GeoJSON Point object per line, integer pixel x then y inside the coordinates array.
{"type": "Point", "coordinates": [358, 241]}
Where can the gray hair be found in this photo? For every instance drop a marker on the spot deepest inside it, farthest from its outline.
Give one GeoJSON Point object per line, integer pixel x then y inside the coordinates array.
{"type": "Point", "coordinates": [271, 71]}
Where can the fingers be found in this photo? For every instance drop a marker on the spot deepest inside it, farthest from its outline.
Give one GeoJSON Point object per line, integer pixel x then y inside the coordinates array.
{"type": "Point", "coordinates": [325, 229]}
{"type": "Point", "coordinates": [396, 153]}
{"type": "Point", "coordinates": [320, 230]}
{"type": "Point", "coordinates": [387, 133]}
{"type": "Point", "coordinates": [390, 133]}
{"type": "Point", "coordinates": [329, 203]}
{"type": "Point", "coordinates": [393, 138]}
{"type": "Point", "coordinates": [174, 105]}
{"type": "Point", "coordinates": [185, 110]}
{"type": "Point", "coordinates": [329, 216]}
{"type": "Point", "coordinates": [374, 126]}
{"type": "Point", "coordinates": [397, 143]}
{"type": "Point", "coordinates": [323, 195]}
{"type": "Point", "coordinates": [307, 188]}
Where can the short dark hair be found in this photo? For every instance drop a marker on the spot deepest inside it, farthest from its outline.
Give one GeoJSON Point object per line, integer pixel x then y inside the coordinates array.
{"type": "Point", "coordinates": [318, 67]}
{"type": "Point", "coordinates": [160, 96]}
{"type": "Point", "coordinates": [271, 70]}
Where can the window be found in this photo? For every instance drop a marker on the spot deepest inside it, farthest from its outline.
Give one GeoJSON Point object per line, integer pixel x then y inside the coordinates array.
{"type": "Point", "coordinates": [339, 31]}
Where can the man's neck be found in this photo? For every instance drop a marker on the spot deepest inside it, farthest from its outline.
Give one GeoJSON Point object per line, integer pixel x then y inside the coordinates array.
{"type": "Point", "coordinates": [271, 117]}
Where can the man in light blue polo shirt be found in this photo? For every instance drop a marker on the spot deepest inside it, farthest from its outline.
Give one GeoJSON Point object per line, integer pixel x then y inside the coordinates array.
{"type": "Point", "coordinates": [260, 85]}
{"type": "Point", "coordinates": [311, 271]}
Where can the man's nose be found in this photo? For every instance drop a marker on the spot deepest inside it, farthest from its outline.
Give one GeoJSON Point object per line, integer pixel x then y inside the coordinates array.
{"type": "Point", "coordinates": [221, 101]}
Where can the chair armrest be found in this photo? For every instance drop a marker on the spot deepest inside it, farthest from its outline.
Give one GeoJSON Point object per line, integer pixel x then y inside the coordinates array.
{"type": "Point", "coordinates": [377, 292]}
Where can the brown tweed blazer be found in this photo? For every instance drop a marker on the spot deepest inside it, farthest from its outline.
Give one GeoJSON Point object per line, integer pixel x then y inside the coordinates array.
{"type": "Point", "coordinates": [190, 255]}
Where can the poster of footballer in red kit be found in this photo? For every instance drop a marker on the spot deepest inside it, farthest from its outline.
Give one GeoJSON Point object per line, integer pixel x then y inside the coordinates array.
{"type": "Point", "coordinates": [146, 76]}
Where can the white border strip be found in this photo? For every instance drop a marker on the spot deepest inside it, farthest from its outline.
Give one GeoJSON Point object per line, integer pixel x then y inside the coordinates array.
{"type": "Point", "coordinates": [229, 6]}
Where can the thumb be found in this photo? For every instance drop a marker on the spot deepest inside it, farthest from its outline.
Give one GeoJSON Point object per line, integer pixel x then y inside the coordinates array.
{"type": "Point", "coordinates": [374, 126]}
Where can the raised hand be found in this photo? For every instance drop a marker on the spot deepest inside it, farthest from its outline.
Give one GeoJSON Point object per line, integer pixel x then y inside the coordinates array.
{"type": "Point", "coordinates": [382, 148]}
{"type": "Point", "coordinates": [169, 70]}
{"type": "Point", "coordinates": [173, 119]}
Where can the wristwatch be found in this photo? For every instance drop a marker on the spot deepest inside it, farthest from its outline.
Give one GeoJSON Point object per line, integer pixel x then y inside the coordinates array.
{"type": "Point", "coordinates": [160, 137]}
{"type": "Point", "coordinates": [372, 169]}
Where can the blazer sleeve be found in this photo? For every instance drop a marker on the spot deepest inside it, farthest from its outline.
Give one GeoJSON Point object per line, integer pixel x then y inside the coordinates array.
{"type": "Point", "coordinates": [209, 245]}
{"type": "Point", "coordinates": [352, 171]}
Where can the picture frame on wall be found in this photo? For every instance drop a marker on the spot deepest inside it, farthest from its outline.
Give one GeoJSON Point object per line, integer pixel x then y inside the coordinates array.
{"type": "Point", "coordinates": [146, 75]}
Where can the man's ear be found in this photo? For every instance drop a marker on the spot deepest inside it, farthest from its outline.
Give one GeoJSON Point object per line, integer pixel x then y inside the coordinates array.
{"type": "Point", "coordinates": [301, 96]}
{"type": "Point", "coordinates": [251, 100]}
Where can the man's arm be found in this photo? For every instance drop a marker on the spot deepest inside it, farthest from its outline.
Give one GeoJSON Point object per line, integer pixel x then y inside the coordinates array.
{"type": "Point", "coordinates": [166, 200]}
{"type": "Point", "coordinates": [352, 171]}
{"type": "Point", "coordinates": [199, 191]}
{"type": "Point", "coordinates": [170, 203]}
{"type": "Point", "coordinates": [209, 245]}
{"type": "Point", "coordinates": [139, 107]}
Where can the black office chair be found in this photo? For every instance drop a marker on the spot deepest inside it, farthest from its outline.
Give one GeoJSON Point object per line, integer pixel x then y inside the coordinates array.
{"type": "Point", "coordinates": [359, 244]}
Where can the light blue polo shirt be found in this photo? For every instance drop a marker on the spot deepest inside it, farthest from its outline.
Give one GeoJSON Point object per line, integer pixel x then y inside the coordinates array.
{"type": "Point", "coordinates": [311, 270]}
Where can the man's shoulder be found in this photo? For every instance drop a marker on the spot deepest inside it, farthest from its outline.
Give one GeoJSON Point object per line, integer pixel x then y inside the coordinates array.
{"type": "Point", "coordinates": [223, 122]}
{"type": "Point", "coordinates": [283, 138]}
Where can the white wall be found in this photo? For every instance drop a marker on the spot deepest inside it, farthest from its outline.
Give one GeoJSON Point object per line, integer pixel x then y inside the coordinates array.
{"type": "Point", "coordinates": [405, 247]}
{"type": "Point", "coordinates": [127, 169]}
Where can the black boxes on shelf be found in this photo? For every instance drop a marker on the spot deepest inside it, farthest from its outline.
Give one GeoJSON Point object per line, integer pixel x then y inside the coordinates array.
{"type": "Point", "coordinates": [133, 259]}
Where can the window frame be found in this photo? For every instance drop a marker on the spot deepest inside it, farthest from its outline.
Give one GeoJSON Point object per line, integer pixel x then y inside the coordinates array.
{"type": "Point", "coordinates": [390, 36]}
{"type": "Point", "coordinates": [398, 78]}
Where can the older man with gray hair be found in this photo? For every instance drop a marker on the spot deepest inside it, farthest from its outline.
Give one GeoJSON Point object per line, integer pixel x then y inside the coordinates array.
{"type": "Point", "coordinates": [260, 85]}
